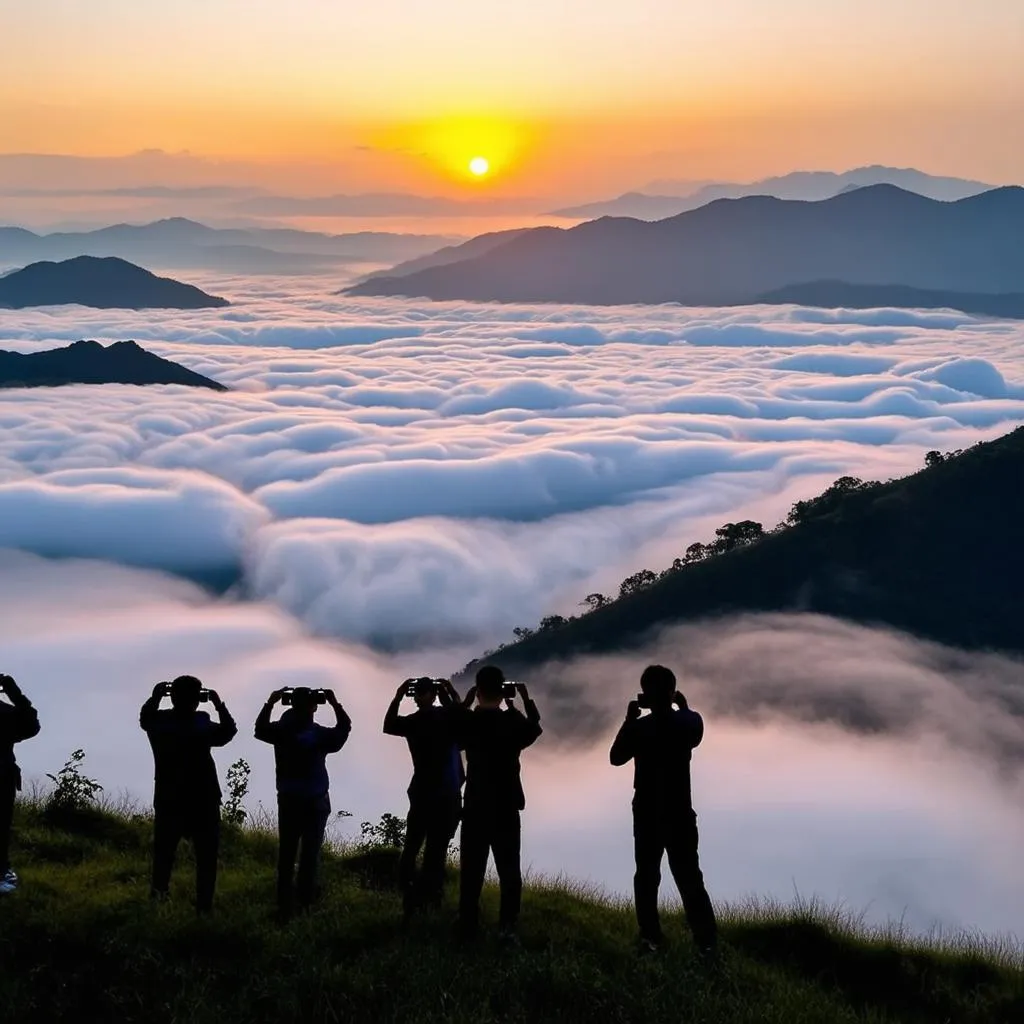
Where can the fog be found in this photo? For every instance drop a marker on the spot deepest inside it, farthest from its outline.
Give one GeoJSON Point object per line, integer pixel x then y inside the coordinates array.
{"type": "Point", "coordinates": [390, 487]}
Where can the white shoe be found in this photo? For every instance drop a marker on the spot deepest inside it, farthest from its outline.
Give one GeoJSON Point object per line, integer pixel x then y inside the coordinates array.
{"type": "Point", "coordinates": [8, 883]}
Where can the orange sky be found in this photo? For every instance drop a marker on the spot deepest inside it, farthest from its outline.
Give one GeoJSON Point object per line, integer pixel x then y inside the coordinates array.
{"type": "Point", "coordinates": [565, 97]}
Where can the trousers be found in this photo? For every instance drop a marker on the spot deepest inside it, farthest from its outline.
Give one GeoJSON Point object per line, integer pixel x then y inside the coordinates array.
{"type": "Point", "coordinates": [200, 823]}
{"type": "Point", "coordinates": [487, 830]}
{"type": "Point", "coordinates": [8, 792]}
{"type": "Point", "coordinates": [657, 831]}
{"type": "Point", "coordinates": [301, 824]}
{"type": "Point", "coordinates": [432, 821]}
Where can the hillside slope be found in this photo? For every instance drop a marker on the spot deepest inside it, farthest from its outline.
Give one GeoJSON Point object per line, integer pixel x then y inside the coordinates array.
{"type": "Point", "coordinates": [99, 282]}
{"type": "Point", "coordinates": [80, 941]}
{"type": "Point", "coordinates": [735, 250]}
{"type": "Point", "coordinates": [937, 554]}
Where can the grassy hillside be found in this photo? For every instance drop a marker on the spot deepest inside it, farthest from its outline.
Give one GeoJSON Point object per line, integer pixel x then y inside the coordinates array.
{"type": "Point", "coordinates": [937, 554]}
{"type": "Point", "coordinates": [80, 941]}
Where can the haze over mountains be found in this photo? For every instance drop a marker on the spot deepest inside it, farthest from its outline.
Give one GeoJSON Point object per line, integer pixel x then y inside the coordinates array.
{"type": "Point", "coordinates": [185, 244]}
{"type": "Point", "coordinates": [669, 198]}
{"type": "Point", "coordinates": [99, 282]}
{"type": "Point", "coordinates": [738, 251]}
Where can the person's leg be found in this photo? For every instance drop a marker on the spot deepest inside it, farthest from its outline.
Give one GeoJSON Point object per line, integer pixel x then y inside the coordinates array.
{"type": "Point", "coordinates": [206, 843]}
{"type": "Point", "coordinates": [443, 821]}
{"type": "Point", "coordinates": [506, 842]}
{"type": "Point", "coordinates": [8, 792]}
{"type": "Point", "coordinates": [314, 826]}
{"type": "Point", "coordinates": [415, 833]}
{"type": "Point", "coordinates": [648, 849]}
{"type": "Point", "coordinates": [473, 850]}
{"type": "Point", "coordinates": [289, 832]}
{"type": "Point", "coordinates": [167, 832]}
{"type": "Point", "coordinates": [684, 863]}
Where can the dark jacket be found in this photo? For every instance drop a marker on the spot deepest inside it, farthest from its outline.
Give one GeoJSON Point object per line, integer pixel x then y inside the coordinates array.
{"type": "Point", "coordinates": [184, 768]}
{"type": "Point", "coordinates": [18, 721]}
{"type": "Point", "coordinates": [300, 750]}
{"type": "Point", "coordinates": [660, 745]}
{"type": "Point", "coordinates": [432, 735]}
{"type": "Point", "coordinates": [493, 740]}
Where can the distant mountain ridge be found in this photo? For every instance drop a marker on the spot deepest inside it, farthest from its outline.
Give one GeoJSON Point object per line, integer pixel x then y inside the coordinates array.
{"type": "Point", "coordinates": [733, 251]}
{"type": "Point", "coordinates": [183, 243]}
{"type": "Point", "coordinates": [102, 283]}
{"type": "Point", "coordinates": [649, 204]}
{"type": "Point", "coordinates": [88, 362]}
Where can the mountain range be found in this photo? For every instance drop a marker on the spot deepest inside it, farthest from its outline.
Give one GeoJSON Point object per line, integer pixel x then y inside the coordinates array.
{"type": "Point", "coordinates": [178, 242]}
{"type": "Point", "coordinates": [99, 282]}
{"type": "Point", "coordinates": [88, 362]}
{"type": "Point", "coordinates": [738, 251]}
{"type": "Point", "coordinates": [934, 554]}
{"type": "Point", "coordinates": [678, 197]}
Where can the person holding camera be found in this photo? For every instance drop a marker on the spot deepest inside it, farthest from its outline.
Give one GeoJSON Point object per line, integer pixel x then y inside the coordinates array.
{"type": "Point", "coordinates": [493, 739]}
{"type": "Point", "coordinates": [435, 791]}
{"type": "Point", "coordinates": [660, 745]}
{"type": "Point", "coordinates": [18, 721]}
{"type": "Point", "coordinates": [301, 746]}
{"type": "Point", "coordinates": [186, 797]}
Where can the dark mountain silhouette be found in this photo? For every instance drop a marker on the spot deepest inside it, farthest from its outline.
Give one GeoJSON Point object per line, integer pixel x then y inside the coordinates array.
{"type": "Point", "coordinates": [100, 282]}
{"type": "Point", "coordinates": [182, 243]}
{"type": "Point", "coordinates": [735, 250]}
{"type": "Point", "coordinates": [935, 554]}
{"type": "Point", "coordinates": [651, 204]}
{"type": "Point", "coordinates": [451, 254]}
{"type": "Point", "coordinates": [88, 362]}
{"type": "Point", "coordinates": [834, 294]}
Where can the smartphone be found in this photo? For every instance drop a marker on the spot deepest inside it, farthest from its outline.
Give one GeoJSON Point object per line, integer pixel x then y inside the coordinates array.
{"type": "Point", "coordinates": [204, 696]}
{"type": "Point", "coordinates": [508, 690]}
{"type": "Point", "coordinates": [643, 700]}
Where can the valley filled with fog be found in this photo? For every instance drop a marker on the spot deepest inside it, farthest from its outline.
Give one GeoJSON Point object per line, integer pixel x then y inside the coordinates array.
{"type": "Point", "coordinates": [391, 486]}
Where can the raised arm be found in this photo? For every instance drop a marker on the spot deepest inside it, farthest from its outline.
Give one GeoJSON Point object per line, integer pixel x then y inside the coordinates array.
{"type": "Point", "coordinates": [531, 728]}
{"type": "Point", "coordinates": [336, 736]}
{"type": "Point", "coordinates": [266, 729]}
{"type": "Point", "coordinates": [150, 709]}
{"type": "Point", "coordinates": [394, 724]}
{"type": "Point", "coordinates": [624, 745]}
{"type": "Point", "coordinates": [25, 720]}
{"type": "Point", "coordinates": [225, 730]}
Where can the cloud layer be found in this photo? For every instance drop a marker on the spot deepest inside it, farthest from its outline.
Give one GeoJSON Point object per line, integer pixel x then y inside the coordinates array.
{"type": "Point", "coordinates": [377, 456]}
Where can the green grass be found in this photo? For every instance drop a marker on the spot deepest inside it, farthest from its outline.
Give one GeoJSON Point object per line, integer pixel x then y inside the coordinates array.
{"type": "Point", "coordinates": [80, 941]}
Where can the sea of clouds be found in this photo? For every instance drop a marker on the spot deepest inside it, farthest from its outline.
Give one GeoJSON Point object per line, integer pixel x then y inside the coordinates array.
{"type": "Point", "coordinates": [390, 486]}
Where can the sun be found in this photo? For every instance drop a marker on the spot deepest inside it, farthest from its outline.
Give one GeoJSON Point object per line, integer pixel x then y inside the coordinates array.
{"type": "Point", "coordinates": [479, 166]}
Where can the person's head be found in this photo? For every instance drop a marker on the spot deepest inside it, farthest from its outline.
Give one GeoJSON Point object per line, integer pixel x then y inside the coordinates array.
{"type": "Point", "coordinates": [303, 702]}
{"type": "Point", "coordinates": [423, 692]}
{"type": "Point", "coordinates": [658, 685]}
{"type": "Point", "coordinates": [185, 693]}
{"type": "Point", "coordinates": [489, 683]}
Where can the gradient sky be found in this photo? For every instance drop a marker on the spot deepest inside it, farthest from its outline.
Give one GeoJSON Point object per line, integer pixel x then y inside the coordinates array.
{"type": "Point", "coordinates": [622, 92]}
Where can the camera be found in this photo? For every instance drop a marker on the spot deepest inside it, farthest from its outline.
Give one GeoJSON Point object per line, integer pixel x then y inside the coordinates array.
{"type": "Point", "coordinates": [204, 696]}
{"type": "Point", "coordinates": [411, 686]}
{"type": "Point", "coordinates": [643, 701]}
{"type": "Point", "coordinates": [508, 690]}
{"type": "Point", "coordinates": [287, 697]}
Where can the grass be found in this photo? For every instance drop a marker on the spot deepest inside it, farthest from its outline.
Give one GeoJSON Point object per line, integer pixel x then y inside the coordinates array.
{"type": "Point", "coordinates": [80, 941]}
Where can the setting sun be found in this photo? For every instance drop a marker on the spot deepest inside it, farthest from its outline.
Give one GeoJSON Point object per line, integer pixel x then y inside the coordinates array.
{"type": "Point", "coordinates": [479, 166]}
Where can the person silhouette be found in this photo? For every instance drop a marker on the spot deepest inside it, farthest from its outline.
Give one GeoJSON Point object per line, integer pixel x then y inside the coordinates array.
{"type": "Point", "coordinates": [186, 793]}
{"type": "Point", "coordinates": [435, 791]}
{"type": "Point", "coordinates": [493, 740]}
{"type": "Point", "coordinates": [660, 745]}
{"type": "Point", "coordinates": [18, 721]}
{"type": "Point", "coordinates": [301, 746]}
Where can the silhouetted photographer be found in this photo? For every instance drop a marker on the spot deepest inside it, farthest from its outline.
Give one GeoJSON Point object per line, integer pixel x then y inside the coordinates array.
{"type": "Point", "coordinates": [435, 792]}
{"type": "Point", "coordinates": [18, 721]}
{"type": "Point", "coordinates": [186, 797]}
{"type": "Point", "coordinates": [493, 738]}
{"type": "Point", "coordinates": [301, 746]}
{"type": "Point", "coordinates": [660, 745]}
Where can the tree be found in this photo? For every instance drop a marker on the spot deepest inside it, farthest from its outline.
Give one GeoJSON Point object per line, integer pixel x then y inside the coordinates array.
{"type": "Point", "coordinates": [522, 632]}
{"type": "Point", "coordinates": [594, 601]}
{"type": "Point", "coordinates": [551, 622]}
{"type": "Point", "coordinates": [696, 552]}
{"type": "Point", "coordinates": [637, 582]}
{"type": "Point", "coordinates": [933, 458]}
{"type": "Point", "coordinates": [827, 501]}
{"type": "Point", "coordinates": [737, 535]}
